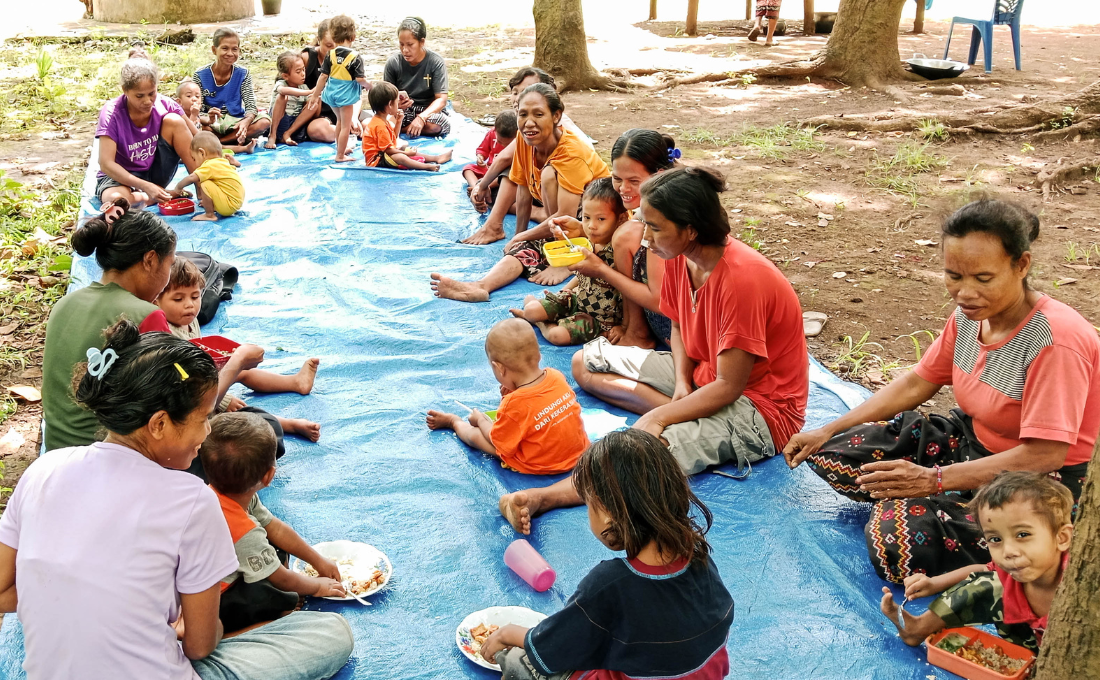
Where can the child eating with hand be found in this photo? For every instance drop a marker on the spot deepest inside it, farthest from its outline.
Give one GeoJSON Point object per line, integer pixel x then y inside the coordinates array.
{"type": "Point", "coordinates": [288, 99]}
{"type": "Point", "coordinates": [1025, 518]}
{"type": "Point", "coordinates": [220, 189]}
{"type": "Point", "coordinates": [660, 611]}
{"type": "Point", "coordinates": [586, 307]}
{"type": "Point", "coordinates": [189, 96]}
{"type": "Point", "coordinates": [504, 131]}
{"type": "Point", "coordinates": [382, 145]}
{"type": "Point", "coordinates": [238, 457]}
{"type": "Point", "coordinates": [180, 301]}
{"type": "Point", "coordinates": [538, 429]}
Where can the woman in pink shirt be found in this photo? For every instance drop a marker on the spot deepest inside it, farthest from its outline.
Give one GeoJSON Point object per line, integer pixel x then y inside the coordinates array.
{"type": "Point", "coordinates": [1026, 374]}
{"type": "Point", "coordinates": [734, 386]}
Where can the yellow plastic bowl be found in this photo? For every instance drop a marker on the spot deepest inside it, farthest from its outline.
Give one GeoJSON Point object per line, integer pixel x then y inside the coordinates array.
{"type": "Point", "coordinates": [559, 254]}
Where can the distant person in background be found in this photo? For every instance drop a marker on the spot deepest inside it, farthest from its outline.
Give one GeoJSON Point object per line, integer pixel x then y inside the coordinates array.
{"type": "Point", "coordinates": [766, 9]}
{"type": "Point", "coordinates": [227, 90]}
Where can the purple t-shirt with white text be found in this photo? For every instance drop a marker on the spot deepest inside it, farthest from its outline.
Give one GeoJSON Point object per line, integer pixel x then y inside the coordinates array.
{"type": "Point", "coordinates": [135, 146]}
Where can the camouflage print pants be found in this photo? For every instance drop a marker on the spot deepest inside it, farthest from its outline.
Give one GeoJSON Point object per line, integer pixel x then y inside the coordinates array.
{"type": "Point", "coordinates": [979, 600]}
{"type": "Point", "coordinates": [930, 535]}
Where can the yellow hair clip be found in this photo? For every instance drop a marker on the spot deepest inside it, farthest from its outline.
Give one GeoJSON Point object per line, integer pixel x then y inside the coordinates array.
{"type": "Point", "coordinates": [183, 373]}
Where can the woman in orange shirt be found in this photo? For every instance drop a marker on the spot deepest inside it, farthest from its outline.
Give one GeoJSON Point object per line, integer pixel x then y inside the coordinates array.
{"type": "Point", "coordinates": [553, 166]}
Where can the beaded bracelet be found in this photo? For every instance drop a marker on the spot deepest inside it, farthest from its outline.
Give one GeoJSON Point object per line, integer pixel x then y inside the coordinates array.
{"type": "Point", "coordinates": [939, 478]}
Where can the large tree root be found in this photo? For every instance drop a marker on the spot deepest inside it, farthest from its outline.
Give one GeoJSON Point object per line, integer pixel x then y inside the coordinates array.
{"type": "Point", "coordinates": [1086, 126]}
{"type": "Point", "coordinates": [1062, 173]}
{"type": "Point", "coordinates": [1007, 119]}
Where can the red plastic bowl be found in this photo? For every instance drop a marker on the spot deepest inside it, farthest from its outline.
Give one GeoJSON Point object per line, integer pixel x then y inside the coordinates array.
{"type": "Point", "coordinates": [972, 671]}
{"type": "Point", "coordinates": [219, 348]}
{"type": "Point", "coordinates": [177, 206]}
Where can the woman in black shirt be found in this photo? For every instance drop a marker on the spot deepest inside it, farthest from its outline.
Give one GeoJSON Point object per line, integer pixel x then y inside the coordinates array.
{"type": "Point", "coordinates": [421, 77]}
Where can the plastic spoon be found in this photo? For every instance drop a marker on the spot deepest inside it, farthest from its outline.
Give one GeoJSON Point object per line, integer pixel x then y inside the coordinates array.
{"type": "Point", "coordinates": [349, 591]}
{"type": "Point", "coordinates": [901, 612]}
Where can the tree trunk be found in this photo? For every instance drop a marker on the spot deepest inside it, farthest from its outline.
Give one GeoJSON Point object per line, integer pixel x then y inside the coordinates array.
{"type": "Point", "coordinates": [809, 26]}
{"type": "Point", "coordinates": [653, 10]}
{"type": "Point", "coordinates": [863, 47]}
{"type": "Point", "coordinates": [1071, 645]}
{"type": "Point", "coordinates": [561, 45]}
{"type": "Point", "coordinates": [692, 27]}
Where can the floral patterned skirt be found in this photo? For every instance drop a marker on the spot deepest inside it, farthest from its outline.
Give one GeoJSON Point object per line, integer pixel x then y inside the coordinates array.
{"type": "Point", "coordinates": [930, 535]}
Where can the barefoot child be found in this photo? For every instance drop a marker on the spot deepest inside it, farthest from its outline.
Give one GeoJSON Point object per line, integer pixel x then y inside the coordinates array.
{"type": "Point", "coordinates": [340, 84]}
{"type": "Point", "coordinates": [1025, 518]}
{"type": "Point", "coordinates": [660, 611]}
{"type": "Point", "coordinates": [504, 131]}
{"type": "Point", "coordinates": [238, 457]}
{"type": "Point", "coordinates": [287, 101]}
{"type": "Point", "coordinates": [538, 429]}
{"type": "Point", "coordinates": [586, 307]}
{"type": "Point", "coordinates": [218, 185]}
{"type": "Point", "coordinates": [382, 146]}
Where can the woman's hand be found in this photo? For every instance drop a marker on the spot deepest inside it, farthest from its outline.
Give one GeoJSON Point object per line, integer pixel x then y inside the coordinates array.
{"type": "Point", "coordinates": [615, 334]}
{"type": "Point", "coordinates": [681, 391]}
{"type": "Point", "coordinates": [327, 568]}
{"type": "Point", "coordinates": [650, 424]}
{"type": "Point", "coordinates": [570, 226]}
{"type": "Point", "coordinates": [156, 194]}
{"type": "Point", "coordinates": [241, 129]}
{"type": "Point", "coordinates": [414, 128]}
{"type": "Point", "coordinates": [591, 265]}
{"type": "Point", "coordinates": [896, 479]}
{"type": "Point", "coordinates": [312, 105]}
{"type": "Point", "coordinates": [505, 391]}
{"type": "Point", "coordinates": [482, 194]}
{"type": "Point", "coordinates": [327, 587]}
{"type": "Point", "coordinates": [804, 444]}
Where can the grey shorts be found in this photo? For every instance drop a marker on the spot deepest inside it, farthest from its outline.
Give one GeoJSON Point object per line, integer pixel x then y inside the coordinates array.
{"type": "Point", "coordinates": [515, 666]}
{"type": "Point", "coordinates": [735, 433]}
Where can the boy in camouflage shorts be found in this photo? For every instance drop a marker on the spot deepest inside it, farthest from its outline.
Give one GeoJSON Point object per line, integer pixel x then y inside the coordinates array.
{"type": "Point", "coordinates": [587, 307]}
{"type": "Point", "coordinates": [1025, 519]}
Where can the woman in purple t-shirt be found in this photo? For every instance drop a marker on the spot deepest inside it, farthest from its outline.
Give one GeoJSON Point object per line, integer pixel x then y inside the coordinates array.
{"type": "Point", "coordinates": [142, 138]}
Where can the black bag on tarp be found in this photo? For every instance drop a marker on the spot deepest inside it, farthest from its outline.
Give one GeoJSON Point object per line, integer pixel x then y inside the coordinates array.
{"type": "Point", "coordinates": [220, 279]}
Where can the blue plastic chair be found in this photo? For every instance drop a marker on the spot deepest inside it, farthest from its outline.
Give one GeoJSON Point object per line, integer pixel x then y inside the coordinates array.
{"type": "Point", "coordinates": [1004, 12]}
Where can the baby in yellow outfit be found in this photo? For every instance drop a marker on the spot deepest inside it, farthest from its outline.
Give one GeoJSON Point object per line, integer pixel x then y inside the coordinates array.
{"type": "Point", "coordinates": [220, 189]}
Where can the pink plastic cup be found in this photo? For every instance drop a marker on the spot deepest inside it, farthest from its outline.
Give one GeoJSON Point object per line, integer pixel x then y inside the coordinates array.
{"type": "Point", "coordinates": [529, 565]}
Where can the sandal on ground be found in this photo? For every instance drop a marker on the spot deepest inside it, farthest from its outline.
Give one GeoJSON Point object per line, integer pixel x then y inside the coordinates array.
{"type": "Point", "coordinates": [754, 34]}
{"type": "Point", "coordinates": [813, 323]}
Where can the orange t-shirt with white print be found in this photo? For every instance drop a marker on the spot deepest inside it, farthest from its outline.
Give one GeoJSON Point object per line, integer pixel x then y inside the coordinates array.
{"type": "Point", "coordinates": [378, 137]}
{"type": "Point", "coordinates": [539, 430]}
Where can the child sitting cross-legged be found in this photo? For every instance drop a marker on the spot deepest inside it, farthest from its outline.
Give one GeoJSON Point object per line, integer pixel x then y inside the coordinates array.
{"type": "Point", "coordinates": [288, 102]}
{"type": "Point", "coordinates": [180, 302]}
{"type": "Point", "coordinates": [382, 145]}
{"type": "Point", "coordinates": [1025, 518]}
{"type": "Point", "coordinates": [538, 429]}
{"type": "Point", "coordinates": [218, 185]}
{"type": "Point", "coordinates": [660, 611]}
{"type": "Point", "coordinates": [504, 131]}
{"type": "Point", "coordinates": [586, 307]}
{"type": "Point", "coordinates": [238, 457]}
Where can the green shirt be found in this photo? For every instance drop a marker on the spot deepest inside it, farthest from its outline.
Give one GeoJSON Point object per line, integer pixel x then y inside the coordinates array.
{"type": "Point", "coordinates": [76, 323]}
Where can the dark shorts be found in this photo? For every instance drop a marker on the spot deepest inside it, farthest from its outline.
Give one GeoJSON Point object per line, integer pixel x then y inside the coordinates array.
{"type": "Point", "coordinates": [300, 135]}
{"type": "Point", "coordinates": [161, 172]}
{"type": "Point", "coordinates": [439, 119]}
{"type": "Point", "coordinates": [245, 604]}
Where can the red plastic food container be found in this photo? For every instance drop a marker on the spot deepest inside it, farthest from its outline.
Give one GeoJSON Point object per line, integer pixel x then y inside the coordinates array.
{"type": "Point", "coordinates": [219, 348]}
{"type": "Point", "coordinates": [970, 670]}
{"type": "Point", "coordinates": [177, 206]}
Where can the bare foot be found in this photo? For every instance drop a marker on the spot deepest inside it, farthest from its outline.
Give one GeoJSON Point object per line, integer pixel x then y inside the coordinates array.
{"type": "Point", "coordinates": [437, 420]}
{"type": "Point", "coordinates": [445, 157]}
{"type": "Point", "coordinates": [518, 508]}
{"type": "Point", "coordinates": [233, 161]}
{"type": "Point", "coordinates": [270, 143]}
{"type": "Point", "coordinates": [307, 375]}
{"type": "Point", "coordinates": [301, 427]}
{"type": "Point", "coordinates": [645, 341]}
{"type": "Point", "coordinates": [344, 159]}
{"type": "Point", "coordinates": [250, 147]}
{"type": "Point", "coordinates": [551, 276]}
{"type": "Point", "coordinates": [289, 142]}
{"type": "Point", "coordinates": [463, 291]}
{"type": "Point", "coordinates": [203, 217]}
{"type": "Point", "coordinates": [433, 167]}
{"type": "Point", "coordinates": [487, 234]}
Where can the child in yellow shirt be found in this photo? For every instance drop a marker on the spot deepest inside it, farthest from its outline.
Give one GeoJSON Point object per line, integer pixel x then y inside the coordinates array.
{"type": "Point", "coordinates": [220, 189]}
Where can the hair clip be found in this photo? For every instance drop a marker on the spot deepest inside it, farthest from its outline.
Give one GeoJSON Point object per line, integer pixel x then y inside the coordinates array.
{"type": "Point", "coordinates": [100, 362]}
{"type": "Point", "coordinates": [112, 213]}
{"type": "Point", "coordinates": [674, 154]}
{"type": "Point", "coordinates": [183, 373]}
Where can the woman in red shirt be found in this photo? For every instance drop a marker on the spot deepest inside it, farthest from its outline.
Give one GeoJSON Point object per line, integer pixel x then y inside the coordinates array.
{"type": "Point", "coordinates": [734, 386]}
{"type": "Point", "coordinates": [1026, 374]}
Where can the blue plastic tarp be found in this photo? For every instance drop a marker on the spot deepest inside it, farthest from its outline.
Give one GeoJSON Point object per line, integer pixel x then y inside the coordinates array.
{"type": "Point", "coordinates": [334, 263]}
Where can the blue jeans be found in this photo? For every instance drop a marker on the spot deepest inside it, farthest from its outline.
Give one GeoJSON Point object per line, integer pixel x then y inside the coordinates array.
{"type": "Point", "coordinates": [300, 646]}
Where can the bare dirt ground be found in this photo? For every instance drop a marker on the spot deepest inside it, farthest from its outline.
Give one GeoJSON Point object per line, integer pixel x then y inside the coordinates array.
{"type": "Point", "coordinates": [851, 219]}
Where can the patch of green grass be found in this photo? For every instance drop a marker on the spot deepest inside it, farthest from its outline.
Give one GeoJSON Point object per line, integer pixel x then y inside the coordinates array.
{"type": "Point", "coordinates": [933, 131]}
{"type": "Point", "coordinates": [773, 142]}
{"type": "Point", "coordinates": [703, 136]}
{"type": "Point", "coordinates": [898, 174]}
{"type": "Point", "coordinates": [748, 237]}
{"type": "Point", "coordinates": [856, 356]}
{"type": "Point", "coordinates": [1068, 115]}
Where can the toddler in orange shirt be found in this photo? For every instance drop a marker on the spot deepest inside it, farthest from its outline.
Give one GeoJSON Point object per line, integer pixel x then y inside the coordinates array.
{"type": "Point", "coordinates": [538, 429]}
{"type": "Point", "coordinates": [382, 146]}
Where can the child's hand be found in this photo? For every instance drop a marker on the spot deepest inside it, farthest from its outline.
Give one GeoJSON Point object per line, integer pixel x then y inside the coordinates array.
{"type": "Point", "coordinates": [235, 404]}
{"type": "Point", "coordinates": [920, 585]}
{"type": "Point", "coordinates": [475, 417]}
{"type": "Point", "coordinates": [327, 587]}
{"type": "Point", "coordinates": [327, 568]}
{"type": "Point", "coordinates": [492, 646]}
{"type": "Point", "coordinates": [480, 161]}
{"type": "Point", "coordinates": [615, 334]}
{"type": "Point", "coordinates": [505, 391]}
